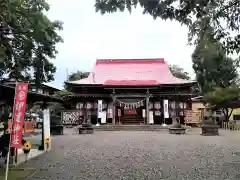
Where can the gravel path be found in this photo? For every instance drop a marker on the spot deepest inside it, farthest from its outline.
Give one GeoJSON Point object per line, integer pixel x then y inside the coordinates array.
{"type": "Point", "coordinates": [140, 156]}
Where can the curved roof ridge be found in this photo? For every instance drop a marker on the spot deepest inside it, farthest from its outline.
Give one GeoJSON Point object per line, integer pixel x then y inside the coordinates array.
{"type": "Point", "coordinates": [130, 61]}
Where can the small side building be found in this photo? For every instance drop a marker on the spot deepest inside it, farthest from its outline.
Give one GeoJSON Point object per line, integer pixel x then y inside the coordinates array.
{"type": "Point", "coordinates": [43, 88]}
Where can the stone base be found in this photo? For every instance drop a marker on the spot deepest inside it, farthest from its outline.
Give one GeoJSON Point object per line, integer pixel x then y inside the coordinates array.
{"type": "Point", "coordinates": [177, 130]}
{"type": "Point", "coordinates": [210, 134]}
{"type": "Point", "coordinates": [210, 130]}
{"type": "Point", "coordinates": [85, 130]}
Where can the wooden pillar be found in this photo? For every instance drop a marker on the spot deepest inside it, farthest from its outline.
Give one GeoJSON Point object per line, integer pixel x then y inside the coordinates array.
{"type": "Point", "coordinates": [85, 112]}
{"type": "Point", "coordinates": [147, 107]}
{"type": "Point", "coordinates": [154, 117]}
{"type": "Point", "coordinates": [113, 107]}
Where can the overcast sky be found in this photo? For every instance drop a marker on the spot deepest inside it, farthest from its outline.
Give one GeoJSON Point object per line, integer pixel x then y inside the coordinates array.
{"type": "Point", "coordinates": [89, 35]}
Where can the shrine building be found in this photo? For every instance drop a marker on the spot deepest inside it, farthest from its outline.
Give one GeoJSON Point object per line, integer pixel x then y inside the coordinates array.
{"type": "Point", "coordinates": [130, 91]}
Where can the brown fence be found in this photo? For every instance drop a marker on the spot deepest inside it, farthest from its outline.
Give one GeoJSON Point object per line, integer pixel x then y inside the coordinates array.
{"type": "Point", "coordinates": [231, 125]}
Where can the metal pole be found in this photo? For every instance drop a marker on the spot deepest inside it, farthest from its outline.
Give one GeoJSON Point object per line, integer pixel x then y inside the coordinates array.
{"type": "Point", "coordinates": [37, 82]}
{"type": "Point", "coordinates": [9, 145]}
{"type": "Point", "coordinates": [41, 147]}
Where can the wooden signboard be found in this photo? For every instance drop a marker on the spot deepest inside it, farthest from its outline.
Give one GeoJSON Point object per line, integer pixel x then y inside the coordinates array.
{"type": "Point", "coordinates": [193, 117]}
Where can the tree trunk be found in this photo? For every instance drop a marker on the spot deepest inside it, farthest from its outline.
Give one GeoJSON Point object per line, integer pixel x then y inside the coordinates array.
{"type": "Point", "coordinates": [227, 113]}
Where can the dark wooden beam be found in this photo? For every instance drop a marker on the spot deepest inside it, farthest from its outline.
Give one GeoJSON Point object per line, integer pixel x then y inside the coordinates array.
{"type": "Point", "coordinates": [90, 95]}
{"type": "Point", "coordinates": [132, 87]}
{"type": "Point", "coordinates": [129, 95]}
{"type": "Point", "coordinates": [171, 94]}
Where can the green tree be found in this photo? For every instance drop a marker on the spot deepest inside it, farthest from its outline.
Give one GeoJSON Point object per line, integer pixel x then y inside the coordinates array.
{"type": "Point", "coordinates": [78, 75]}
{"type": "Point", "coordinates": [216, 73]}
{"type": "Point", "coordinates": [222, 97]}
{"type": "Point", "coordinates": [198, 15]}
{"type": "Point", "coordinates": [75, 76]}
{"type": "Point", "coordinates": [62, 94]}
{"type": "Point", "coordinates": [214, 70]}
{"type": "Point", "coordinates": [28, 40]}
{"type": "Point", "coordinates": [179, 72]}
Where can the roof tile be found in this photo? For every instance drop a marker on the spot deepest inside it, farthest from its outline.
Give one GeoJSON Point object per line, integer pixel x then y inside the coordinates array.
{"type": "Point", "coordinates": [131, 72]}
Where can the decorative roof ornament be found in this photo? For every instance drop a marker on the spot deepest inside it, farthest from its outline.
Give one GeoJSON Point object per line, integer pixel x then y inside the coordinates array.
{"type": "Point", "coordinates": [132, 104]}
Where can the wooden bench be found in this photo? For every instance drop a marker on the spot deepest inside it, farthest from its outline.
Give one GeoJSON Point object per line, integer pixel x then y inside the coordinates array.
{"type": "Point", "coordinates": [173, 130]}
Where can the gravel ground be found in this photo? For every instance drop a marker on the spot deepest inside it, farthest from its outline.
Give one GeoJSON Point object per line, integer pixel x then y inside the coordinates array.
{"type": "Point", "coordinates": [140, 156]}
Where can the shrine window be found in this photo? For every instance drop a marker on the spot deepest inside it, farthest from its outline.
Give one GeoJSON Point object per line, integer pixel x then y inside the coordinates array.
{"type": "Point", "coordinates": [157, 105]}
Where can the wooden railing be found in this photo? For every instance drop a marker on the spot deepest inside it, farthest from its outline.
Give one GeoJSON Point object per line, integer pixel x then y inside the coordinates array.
{"type": "Point", "coordinates": [231, 125]}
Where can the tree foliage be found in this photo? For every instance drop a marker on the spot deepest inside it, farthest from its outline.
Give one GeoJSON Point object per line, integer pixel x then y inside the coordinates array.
{"type": "Point", "coordinates": [28, 40]}
{"type": "Point", "coordinates": [221, 97]}
{"type": "Point", "coordinates": [216, 70]}
{"type": "Point", "coordinates": [220, 71]}
{"type": "Point", "coordinates": [179, 72]}
{"type": "Point", "coordinates": [62, 94]}
{"type": "Point", "coordinates": [216, 73]}
{"type": "Point", "coordinates": [199, 15]}
{"type": "Point", "coordinates": [75, 76]}
{"type": "Point", "coordinates": [78, 76]}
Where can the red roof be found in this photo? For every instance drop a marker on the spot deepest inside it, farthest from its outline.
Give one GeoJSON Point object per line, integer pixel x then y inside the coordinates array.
{"type": "Point", "coordinates": [131, 72]}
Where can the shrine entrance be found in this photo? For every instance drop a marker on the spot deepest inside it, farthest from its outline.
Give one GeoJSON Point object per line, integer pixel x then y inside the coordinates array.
{"type": "Point", "coordinates": [130, 111]}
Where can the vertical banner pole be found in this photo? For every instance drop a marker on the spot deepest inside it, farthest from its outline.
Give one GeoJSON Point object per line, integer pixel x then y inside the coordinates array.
{"type": "Point", "coordinates": [19, 108]}
{"type": "Point", "coordinates": [10, 139]}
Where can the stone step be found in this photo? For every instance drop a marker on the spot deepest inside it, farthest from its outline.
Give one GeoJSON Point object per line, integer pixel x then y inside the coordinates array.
{"type": "Point", "coordinates": [132, 121]}
{"type": "Point", "coordinates": [130, 127]}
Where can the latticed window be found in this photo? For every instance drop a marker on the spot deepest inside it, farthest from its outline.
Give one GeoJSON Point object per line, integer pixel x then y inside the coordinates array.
{"type": "Point", "coordinates": [150, 105]}
{"type": "Point", "coordinates": [89, 105]}
{"type": "Point", "coordinates": [95, 105]}
{"type": "Point", "coordinates": [79, 105]}
{"type": "Point", "coordinates": [157, 113]}
{"type": "Point", "coordinates": [172, 105]}
{"type": "Point", "coordinates": [157, 105]}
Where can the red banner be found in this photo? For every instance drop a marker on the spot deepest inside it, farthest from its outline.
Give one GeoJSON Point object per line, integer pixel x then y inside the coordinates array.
{"type": "Point", "coordinates": [21, 91]}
